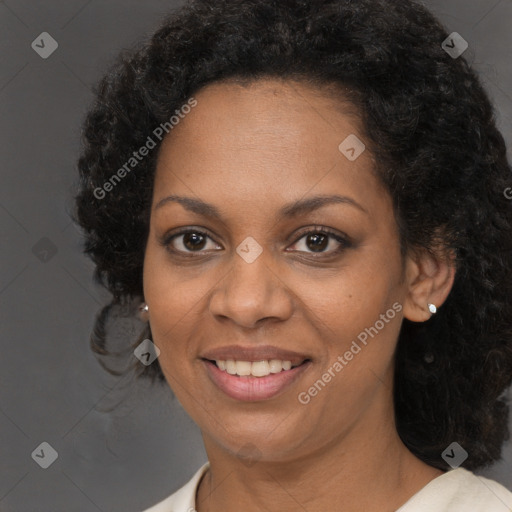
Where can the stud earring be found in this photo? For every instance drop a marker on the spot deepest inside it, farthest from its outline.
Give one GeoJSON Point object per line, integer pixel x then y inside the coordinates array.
{"type": "Point", "coordinates": [143, 312]}
{"type": "Point", "coordinates": [432, 308]}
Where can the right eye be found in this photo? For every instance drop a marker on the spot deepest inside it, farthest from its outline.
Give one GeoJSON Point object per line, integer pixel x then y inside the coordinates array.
{"type": "Point", "coordinates": [189, 241]}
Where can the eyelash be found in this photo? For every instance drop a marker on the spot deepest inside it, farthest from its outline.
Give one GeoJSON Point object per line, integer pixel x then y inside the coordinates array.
{"type": "Point", "coordinates": [343, 241]}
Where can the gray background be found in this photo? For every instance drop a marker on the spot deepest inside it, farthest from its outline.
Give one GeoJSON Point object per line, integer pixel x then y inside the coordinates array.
{"type": "Point", "coordinates": [51, 387]}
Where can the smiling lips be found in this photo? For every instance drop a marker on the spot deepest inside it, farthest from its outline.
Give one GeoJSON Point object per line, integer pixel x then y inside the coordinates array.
{"type": "Point", "coordinates": [255, 373]}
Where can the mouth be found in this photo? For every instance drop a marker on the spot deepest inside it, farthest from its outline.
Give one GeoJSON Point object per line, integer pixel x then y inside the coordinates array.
{"type": "Point", "coordinates": [258, 369]}
{"type": "Point", "coordinates": [252, 381]}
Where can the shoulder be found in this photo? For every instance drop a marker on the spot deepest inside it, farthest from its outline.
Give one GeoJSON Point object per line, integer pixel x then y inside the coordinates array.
{"type": "Point", "coordinates": [460, 490]}
{"type": "Point", "coordinates": [184, 499]}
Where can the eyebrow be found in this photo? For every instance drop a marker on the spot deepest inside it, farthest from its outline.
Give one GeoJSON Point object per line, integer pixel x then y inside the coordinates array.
{"type": "Point", "coordinates": [300, 207]}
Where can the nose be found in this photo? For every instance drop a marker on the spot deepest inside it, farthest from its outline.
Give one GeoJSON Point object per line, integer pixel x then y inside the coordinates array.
{"type": "Point", "coordinates": [250, 293]}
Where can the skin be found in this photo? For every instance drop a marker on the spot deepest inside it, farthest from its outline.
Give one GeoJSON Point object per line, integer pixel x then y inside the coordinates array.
{"type": "Point", "coordinates": [249, 151]}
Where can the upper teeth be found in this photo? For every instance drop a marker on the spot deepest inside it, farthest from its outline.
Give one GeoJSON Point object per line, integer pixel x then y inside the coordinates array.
{"type": "Point", "coordinates": [256, 368]}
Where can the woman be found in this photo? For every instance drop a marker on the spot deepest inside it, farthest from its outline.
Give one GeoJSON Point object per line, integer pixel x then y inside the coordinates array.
{"type": "Point", "coordinates": [308, 199]}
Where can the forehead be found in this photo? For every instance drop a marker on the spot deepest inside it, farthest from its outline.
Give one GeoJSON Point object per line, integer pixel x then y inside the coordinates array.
{"type": "Point", "coordinates": [289, 110]}
{"type": "Point", "coordinates": [270, 140]}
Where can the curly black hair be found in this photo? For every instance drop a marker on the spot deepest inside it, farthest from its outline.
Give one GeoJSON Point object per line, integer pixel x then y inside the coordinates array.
{"type": "Point", "coordinates": [432, 130]}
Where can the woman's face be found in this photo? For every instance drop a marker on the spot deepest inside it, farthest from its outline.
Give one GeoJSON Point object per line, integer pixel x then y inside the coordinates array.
{"type": "Point", "coordinates": [244, 160]}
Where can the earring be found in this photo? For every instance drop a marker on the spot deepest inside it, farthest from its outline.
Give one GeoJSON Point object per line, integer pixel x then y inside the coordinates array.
{"type": "Point", "coordinates": [432, 308]}
{"type": "Point", "coordinates": [143, 312]}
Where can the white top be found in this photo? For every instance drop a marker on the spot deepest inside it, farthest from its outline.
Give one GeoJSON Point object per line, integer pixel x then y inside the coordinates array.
{"type": "Point", "coordinates": [457, 490]}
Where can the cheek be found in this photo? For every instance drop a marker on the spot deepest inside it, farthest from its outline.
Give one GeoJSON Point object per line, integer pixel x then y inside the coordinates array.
{"type": "Point", "coordinates": [173, 301]}
{"type": "Point", "coordinates": [357, 314]}
{"type": "Point", "coordinates": [171, 290]}
{"type": "Point", "coordinates": [357, 318]}
{"type": "Point", "coordinates": [348, 300]}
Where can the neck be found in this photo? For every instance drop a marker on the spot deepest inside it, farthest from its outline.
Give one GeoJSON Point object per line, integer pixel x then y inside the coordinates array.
{"type": "Point", "coordinates": [364, 468]}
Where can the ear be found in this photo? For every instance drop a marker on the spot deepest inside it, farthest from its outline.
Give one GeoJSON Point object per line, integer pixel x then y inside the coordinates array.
{"type": "Point", "coordinates": [429, 279]}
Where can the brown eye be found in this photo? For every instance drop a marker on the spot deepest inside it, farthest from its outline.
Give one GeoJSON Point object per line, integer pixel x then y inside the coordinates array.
{"type": "Point", "coordinates": [193, 241]}
{"type": "Point", "coordinates": [190, 241]}
{"type": "Point", "coordinates": [321, 241]}
{"type": "Point", "coordinates": [317, 242]}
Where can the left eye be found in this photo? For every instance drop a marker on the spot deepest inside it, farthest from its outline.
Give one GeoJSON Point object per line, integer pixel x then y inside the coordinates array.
{"type": "Point", "coordinates": [320, 242]}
